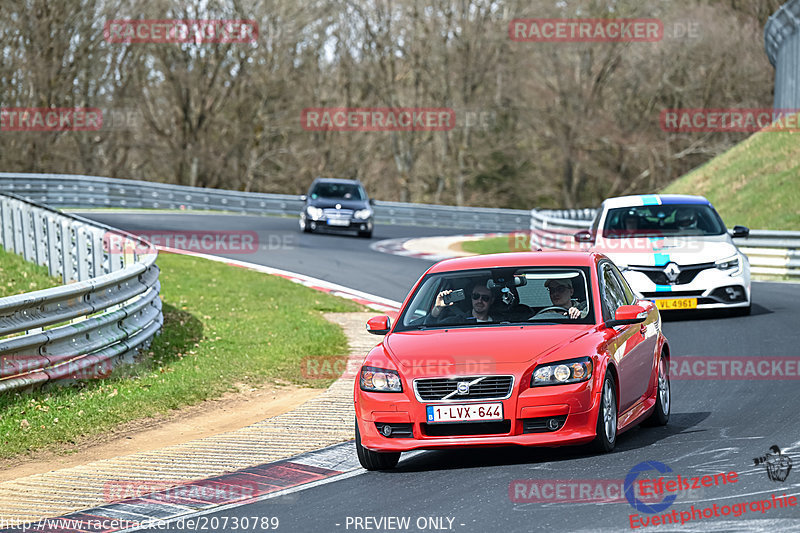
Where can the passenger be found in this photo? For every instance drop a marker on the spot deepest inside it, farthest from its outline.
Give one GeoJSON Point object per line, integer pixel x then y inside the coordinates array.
{"type": "Point", "coordinates": [482, 300]}
{"type": "Point", "coordinates": [561, 291]}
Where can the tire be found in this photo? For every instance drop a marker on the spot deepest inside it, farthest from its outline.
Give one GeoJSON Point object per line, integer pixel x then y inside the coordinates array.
{"type": "Point", "coordinates": [304, 226]}
{"type": "Point", "coordinates": [374, 460]}
{"type": "Point", "coordinates": [660, 415]}
{"type": "Point", "coordinates": [366, 234]}
{"type": "Point", "coordinates": [606, 437]}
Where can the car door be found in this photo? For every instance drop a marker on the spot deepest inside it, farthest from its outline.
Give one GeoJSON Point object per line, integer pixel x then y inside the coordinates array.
{"type": "Point", "coordinates": [649, 328]}
{"type": "Point", "coordinates": [634, 362]}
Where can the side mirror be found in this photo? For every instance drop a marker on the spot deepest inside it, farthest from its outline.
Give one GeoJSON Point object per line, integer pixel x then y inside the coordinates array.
{"type": "Point", "coordinates": [371, 201]}
{"type": "Point", "coordinates": [627, 314]}
{"type": "Point", "coordinates": [303, 197]}
{"type": "Point", "coordinates": [740, 232]}
{"type": "Point", "coordinates": [379, 325]}
{"type": "Point", "coordinates": [584, 236]}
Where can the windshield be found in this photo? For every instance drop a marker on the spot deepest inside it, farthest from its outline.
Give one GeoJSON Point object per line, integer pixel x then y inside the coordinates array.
{"type": "Point", "coordinates": [529, 295]}
{"type": "Point", "coordinates": [342, 191]}
{"type": "Point", "coordinates": [663, 220]}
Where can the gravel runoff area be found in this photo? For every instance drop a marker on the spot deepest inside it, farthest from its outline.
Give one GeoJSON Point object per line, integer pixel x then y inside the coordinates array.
{"type": "Point", "coordinates": [62, 491]}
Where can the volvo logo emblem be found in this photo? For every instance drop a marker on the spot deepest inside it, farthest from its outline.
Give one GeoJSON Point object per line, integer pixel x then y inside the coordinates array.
{"type": "Point", "coordinates": [672, 271]}
{"type": "Point", "coordinates": [462, 388]}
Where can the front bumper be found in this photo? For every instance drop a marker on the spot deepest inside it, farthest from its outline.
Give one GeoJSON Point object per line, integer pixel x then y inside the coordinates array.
{"type": "Point", "coordinates": [713, 288]}
{"type": "Point", "coordinates": [351, 224]}
{"type": "Point", "coordinates": [575, 405]}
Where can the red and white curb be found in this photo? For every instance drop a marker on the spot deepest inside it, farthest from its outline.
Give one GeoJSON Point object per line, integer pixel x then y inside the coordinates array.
{"type": "Point", "coordinates": [200, 497]}
{"type": "Point", "coordinates": [401, 246]}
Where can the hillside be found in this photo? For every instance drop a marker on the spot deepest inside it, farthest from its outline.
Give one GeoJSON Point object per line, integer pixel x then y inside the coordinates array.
{"type": "Point", "coordinates": [755, 184]}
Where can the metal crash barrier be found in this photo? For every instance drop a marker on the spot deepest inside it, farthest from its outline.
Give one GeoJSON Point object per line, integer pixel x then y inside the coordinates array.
{"type": "Point", "coordinates": [63, 190]}
{"type": "Point", "coordinates": [107, 310]}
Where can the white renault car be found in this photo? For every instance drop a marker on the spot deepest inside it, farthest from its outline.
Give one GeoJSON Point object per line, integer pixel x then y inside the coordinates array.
{"type": "Point", "coordinates": [675, 250]}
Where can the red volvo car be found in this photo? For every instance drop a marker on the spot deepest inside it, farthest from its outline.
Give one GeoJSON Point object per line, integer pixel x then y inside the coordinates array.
{"type": "Point", "coordinates": [532, 349]}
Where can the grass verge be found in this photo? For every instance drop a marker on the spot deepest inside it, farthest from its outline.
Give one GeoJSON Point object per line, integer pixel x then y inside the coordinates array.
{"type": "Point", "coordinates": [756, 183]}
{"type": "Point", "coordinates": [18, 276]}
{"type": "Point", "coordinates": [490, 245]}
{"type": "Point", "coordinates": [223, 326]}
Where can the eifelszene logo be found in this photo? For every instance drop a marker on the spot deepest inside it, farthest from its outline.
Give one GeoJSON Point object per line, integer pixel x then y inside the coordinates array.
{"type": "Point", "coordinates": [636, 503]}
{"type": "Point", "coordinates": [778, 464]}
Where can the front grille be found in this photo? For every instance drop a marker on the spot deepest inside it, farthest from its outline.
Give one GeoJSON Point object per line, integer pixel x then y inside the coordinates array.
{"type": "Point", "coordinates": [657, 275]}
{"type": "Point", "coordinates": [398, 431]}
{"type": "Point", "coordinates": [480, 388]}
{"type": "Point", "coordinates": [502, 427]}
{"type": "Point", "coordinates": [337, 213]}
{"type": "Point", "coordinates": [542, 424]}
{"type": "Point", "coordinates": [672, 294]}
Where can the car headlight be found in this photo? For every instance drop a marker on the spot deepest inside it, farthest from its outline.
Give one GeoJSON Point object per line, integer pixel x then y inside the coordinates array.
{"type": "Point", "coordinates": [374, 379]}
{"type": "Point", "coordinates": [363, 213]}
{"type": "Point", "coordinates": [563, 372]}
{"type": "Point", "coordinates": [729, 264]}
{"type": "Point", "coordinates": [314, 212]}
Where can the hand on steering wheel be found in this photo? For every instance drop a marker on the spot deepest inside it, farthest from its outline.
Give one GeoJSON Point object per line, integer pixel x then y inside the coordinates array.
{"type": "Point", "coordinates": [553, 308]}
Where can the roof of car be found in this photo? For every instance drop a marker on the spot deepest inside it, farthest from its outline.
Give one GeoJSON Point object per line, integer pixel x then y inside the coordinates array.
{"type": "Point", "coordinates": [654, 199]}
{"type": "Point", "coordinates": [518, 259]}
{"type": "Point", "coordinates": [336, 180]}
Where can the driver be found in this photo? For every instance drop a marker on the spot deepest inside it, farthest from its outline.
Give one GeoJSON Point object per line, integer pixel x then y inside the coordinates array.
{"type": "Point", "coordinates": [482, 300]}
{"type": "Point", "coordinates": [631, 222]}
{"type": "Point", "coordinates": [561, 295]}
{"type": "Point", "coordinates": [686, 218]}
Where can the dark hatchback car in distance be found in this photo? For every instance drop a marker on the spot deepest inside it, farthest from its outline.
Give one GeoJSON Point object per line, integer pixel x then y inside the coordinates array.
{"type": "Point", "coordinates": [337, 204]}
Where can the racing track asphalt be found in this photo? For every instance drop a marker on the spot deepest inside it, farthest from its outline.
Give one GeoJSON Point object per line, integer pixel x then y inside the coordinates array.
{"type": "Point", "coordinates": [716, 425]}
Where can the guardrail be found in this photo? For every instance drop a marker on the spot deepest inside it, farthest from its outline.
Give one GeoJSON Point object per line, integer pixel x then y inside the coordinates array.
{"type": "Point", "coordinates": [769, 252]}
{"type": "Point", "coordinates": [105, 313]}
{"type": "Point", "coordinates": [782, 44]}
{"type": "Point", "coordinates": [63, 190]}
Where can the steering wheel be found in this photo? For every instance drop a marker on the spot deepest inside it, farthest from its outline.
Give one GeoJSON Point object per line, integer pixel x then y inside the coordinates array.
{"type": "Point", "coordinates": [551, 309]}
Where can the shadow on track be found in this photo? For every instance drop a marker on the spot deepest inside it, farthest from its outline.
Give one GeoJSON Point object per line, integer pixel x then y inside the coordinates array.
{"type": "Point", "coordinates": [634, 439]}
{"type": "Point", "coordinates": [711, 314]}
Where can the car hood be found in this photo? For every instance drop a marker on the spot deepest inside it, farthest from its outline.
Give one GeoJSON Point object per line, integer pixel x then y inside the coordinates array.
{"type": "Point", "coordinates": [646, 251]}
{"type": "Point", "coordinates": [478, 349]}
{"type": "Point", "coordinates": [325, 203]}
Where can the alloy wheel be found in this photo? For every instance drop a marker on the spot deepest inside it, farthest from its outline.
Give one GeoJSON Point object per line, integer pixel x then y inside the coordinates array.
{"type": "Point", "coordinates": [609, 411]}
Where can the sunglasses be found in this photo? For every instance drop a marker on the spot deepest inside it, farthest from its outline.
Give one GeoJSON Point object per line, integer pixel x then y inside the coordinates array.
{"type": "Point", "coordinates": [484, 297]}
